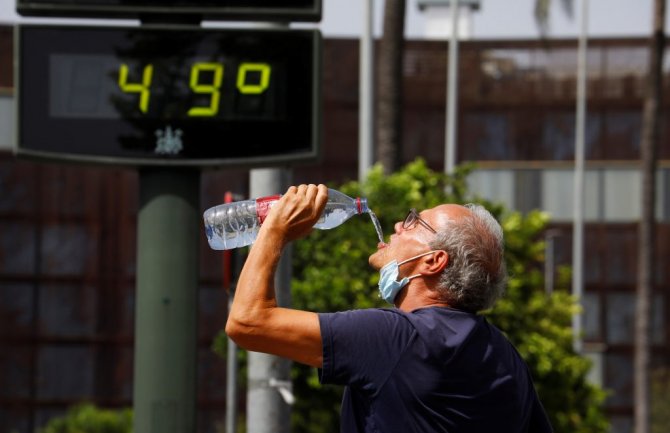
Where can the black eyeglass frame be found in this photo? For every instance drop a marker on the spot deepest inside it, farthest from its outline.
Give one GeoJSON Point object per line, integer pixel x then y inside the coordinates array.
{"type": "Point", "coordinates": [413, 218]}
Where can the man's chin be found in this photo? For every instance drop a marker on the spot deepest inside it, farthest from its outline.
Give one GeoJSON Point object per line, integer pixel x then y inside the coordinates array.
{"type": "Point", "coordinates": [376, 259]}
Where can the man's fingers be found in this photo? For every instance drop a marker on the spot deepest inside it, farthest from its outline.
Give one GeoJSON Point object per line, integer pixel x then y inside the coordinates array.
{"type": "Point", "coordinates": [310, 191]}
{"type": "Point", "coordinates": [307, 197]}
{"type": "Point", "coordinates": [321, 197]}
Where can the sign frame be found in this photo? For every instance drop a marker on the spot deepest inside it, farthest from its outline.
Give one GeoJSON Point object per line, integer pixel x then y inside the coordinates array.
{"type": "Point", "coordinates": [269, 10]}
{"type": "Point", "coordinates": [307, 152]}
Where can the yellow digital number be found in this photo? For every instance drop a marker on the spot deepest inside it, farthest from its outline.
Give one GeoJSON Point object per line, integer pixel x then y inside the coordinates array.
{"type": "Point", "coordinates": [141, 88]}
{"type": "Point", "coordinates": [262, 68]}
{"type": "Point", "coordinates": [213, 89]}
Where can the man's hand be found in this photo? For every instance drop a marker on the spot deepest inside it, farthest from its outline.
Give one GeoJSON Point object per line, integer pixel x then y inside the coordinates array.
{"type": "Point", "coordinates": [296, 212]}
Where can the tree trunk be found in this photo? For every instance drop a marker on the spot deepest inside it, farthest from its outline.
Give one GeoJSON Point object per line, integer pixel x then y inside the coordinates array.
{"type": "Point", "coordinates": [648, 146]}
{"type": "Point", "coordinates": [389, 93]}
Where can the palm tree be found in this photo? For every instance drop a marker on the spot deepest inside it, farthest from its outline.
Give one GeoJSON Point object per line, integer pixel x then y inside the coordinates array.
{"type": "Point", "coordinates": [648, 145]}
{"type": "Point", "coordinates": [389, 90]}
{"type": "Point", "coordinates": [542, 13]}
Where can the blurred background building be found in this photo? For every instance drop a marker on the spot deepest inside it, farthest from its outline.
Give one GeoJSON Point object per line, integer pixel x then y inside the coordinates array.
{"type": "Point", "coordinates": [68, 233]}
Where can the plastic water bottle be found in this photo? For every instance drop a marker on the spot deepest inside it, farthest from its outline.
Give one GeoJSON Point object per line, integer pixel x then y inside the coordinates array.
{"type": "Point", "coordinates": [235, 225]}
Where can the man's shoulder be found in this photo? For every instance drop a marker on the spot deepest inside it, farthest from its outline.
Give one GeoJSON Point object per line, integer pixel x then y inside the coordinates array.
{"type": "Point", "coordinates": [364, 314]}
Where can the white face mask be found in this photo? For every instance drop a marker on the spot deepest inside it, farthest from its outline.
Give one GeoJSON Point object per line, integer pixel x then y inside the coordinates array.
{"type": "Point", "coordinates": [389, 286]}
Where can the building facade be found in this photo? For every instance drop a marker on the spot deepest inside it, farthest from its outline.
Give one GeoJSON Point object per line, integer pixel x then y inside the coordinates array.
{"type": "Point", "coordinates": [68, 233]}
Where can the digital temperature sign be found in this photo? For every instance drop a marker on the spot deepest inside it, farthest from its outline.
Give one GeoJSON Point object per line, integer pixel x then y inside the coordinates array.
{"type": "Point", "coordinates": [167, 96]}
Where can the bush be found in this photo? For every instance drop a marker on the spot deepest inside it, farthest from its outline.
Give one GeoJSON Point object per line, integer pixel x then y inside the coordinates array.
{"type": "Point", "coordinates": [86, 418]}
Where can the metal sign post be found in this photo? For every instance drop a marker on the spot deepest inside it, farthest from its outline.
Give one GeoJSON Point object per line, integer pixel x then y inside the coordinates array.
{"type": "Point", "coordinates": [168, 229]}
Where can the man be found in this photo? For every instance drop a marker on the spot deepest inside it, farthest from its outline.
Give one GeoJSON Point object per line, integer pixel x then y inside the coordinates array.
{"type": "Point", "coordinates": [429, 365]}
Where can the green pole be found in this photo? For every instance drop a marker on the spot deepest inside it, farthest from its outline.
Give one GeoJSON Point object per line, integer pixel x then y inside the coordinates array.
{"type": "Point", "coordinates": [168, 232]}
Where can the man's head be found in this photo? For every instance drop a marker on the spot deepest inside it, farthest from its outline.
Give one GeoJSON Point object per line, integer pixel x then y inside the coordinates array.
{"type": "Point", "coordinates": [475, 274]}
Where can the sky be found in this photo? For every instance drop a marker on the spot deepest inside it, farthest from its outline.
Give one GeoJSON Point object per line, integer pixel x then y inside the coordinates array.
{"type": "Point", "coordinates": [499, 19]}
{"type": "Point", "coordinates": [496, 19]}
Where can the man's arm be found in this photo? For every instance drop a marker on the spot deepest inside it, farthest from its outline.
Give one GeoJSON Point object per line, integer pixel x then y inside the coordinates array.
{"type": "Point", "coordinates": [255, 322]}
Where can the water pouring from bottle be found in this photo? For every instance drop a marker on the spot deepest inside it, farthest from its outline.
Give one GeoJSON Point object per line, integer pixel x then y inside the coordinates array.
{"type": "Point", "coordinates": [378, 227]}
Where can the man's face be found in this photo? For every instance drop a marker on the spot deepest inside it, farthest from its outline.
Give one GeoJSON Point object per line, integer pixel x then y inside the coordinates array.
{"type": "Point", "coordinates": [410, 237]}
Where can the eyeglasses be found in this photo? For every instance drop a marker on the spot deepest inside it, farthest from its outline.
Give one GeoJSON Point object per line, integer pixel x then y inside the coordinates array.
{"type": "Point", "coordinates": [413, 218]}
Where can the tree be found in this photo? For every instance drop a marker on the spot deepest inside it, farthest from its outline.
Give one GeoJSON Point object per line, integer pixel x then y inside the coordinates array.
{"type": "Point", "coordinates": [660, 400]}
{"type": "Point", "coordinates": [389, 91]}
{"type": "Point", "coordinates": [541, 13]}
{"type": "Point", "coordinates": [645, 280]}
{"type": "Point", "coordinates": [331, 273]}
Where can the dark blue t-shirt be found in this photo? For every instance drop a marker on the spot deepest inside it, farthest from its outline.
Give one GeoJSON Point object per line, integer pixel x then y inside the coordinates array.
{"type": "Point", "coordinates": [432, 370]}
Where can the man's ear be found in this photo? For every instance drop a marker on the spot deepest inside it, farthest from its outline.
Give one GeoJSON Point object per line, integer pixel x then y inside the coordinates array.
{"type": "Point", "coordinates": [435, 263]}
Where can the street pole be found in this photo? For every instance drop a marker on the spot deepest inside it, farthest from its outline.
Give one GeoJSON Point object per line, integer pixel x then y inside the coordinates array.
{"type": "Point", "coordinates": [232, 367]}
{"type": "Point", "coordinates": [578, 193]}
{"type": "Point", "coordinates": [452, 83]}
{"type": "Point", "coordinates": [168, 233]}
{"type": "Point", "coordinates": [269, 391]}
{"type": "Point", "coordinates": [366, 93]}
{"type": "Point", "coordinates": [231, 378]}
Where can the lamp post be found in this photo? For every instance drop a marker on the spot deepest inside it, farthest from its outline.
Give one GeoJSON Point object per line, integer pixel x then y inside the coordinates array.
{"type": "Point", "coordinates": [366, 93]}
{"type": "Point", "coordinates": [578, 196]}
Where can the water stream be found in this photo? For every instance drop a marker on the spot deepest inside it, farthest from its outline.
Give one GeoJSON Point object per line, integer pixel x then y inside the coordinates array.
{"type": "Point", "coordinates": [378, 226]}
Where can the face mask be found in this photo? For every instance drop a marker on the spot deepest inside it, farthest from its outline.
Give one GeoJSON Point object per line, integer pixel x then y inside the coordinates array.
{"type": "Point", "coordinates": [389, 286]}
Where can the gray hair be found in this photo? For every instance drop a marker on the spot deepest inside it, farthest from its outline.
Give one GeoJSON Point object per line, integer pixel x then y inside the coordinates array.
{"type": "Point", "coordinates": [476, 275]}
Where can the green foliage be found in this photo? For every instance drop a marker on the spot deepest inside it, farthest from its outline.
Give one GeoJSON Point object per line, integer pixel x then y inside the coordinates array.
{"type": "Point", "coordinates": [539, 325]}
{"type": "Point", "coordinates": [660, 400]}
{"type": "Point", "coordinates": [86, 418]}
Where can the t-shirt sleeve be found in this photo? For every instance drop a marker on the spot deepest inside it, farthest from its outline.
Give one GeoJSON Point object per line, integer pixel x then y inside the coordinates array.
{"type": "Point", "coordinates": [362, 347]}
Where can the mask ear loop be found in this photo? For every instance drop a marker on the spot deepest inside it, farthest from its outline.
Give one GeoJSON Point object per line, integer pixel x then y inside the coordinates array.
{"type": "Point", "coordinates": [414, 258]}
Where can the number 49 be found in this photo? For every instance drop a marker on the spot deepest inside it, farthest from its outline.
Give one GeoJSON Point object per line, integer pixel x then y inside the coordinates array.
{"type": "Point", "coordinates": [213, 88]}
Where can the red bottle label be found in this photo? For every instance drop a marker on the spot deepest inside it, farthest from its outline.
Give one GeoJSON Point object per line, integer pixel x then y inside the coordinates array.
{"type": "Point", "coordinates": [263, 206]}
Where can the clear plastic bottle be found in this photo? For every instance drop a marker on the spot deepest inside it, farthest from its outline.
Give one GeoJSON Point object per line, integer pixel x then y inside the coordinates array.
{"type": "Point", "coordinates": [235, 225]}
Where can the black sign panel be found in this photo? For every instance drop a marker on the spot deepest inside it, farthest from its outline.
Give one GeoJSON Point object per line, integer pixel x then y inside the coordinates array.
{"type": "Point", "coordinates": [168, 96]}
{"type": "Point", "coordinates": [249, 10]}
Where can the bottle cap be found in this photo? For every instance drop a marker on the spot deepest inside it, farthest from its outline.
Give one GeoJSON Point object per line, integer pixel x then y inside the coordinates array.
{"type": "Point", "coordinates": [361, 205]}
